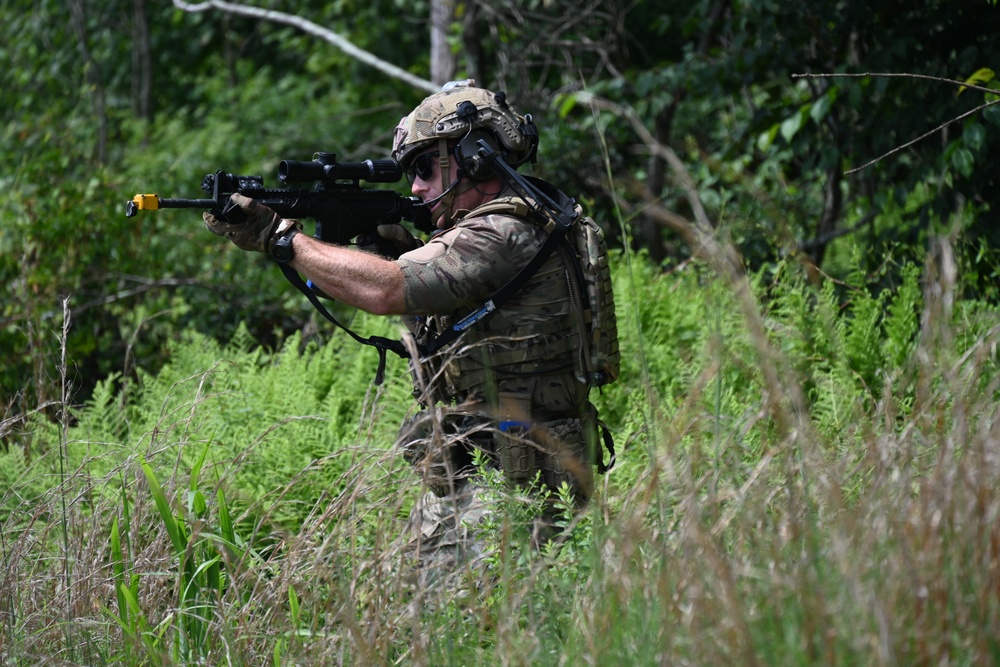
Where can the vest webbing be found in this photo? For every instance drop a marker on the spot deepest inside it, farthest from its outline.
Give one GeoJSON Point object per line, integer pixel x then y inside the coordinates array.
{"type": "Point", "coordinates": [556, 237]}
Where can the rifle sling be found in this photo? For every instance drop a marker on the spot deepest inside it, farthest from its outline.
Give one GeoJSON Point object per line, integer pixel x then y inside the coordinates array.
{"type": "Point", "coordinates": [556, 222]}
{"type": "Point", "coordinates": [380, 343]}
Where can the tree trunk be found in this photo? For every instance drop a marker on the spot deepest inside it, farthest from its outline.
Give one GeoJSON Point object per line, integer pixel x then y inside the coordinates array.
{"type": "Point", "coordinates": [142, 62]}
{"type": "Point", "coordinates": [650, 231]}
{"type": "Point", "coordinates": [833, 204]}
{"type": "Point", "coordinates": [472, 43]}
{"type": "Point", "coordinates": [92, 74]}
{"type": "Point", "coordinates": [650, 234]}
{"type": "Point", "coordinates": [442, 57]}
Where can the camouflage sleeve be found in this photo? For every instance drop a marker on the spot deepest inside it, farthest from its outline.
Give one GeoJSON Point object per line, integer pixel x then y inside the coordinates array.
{"type": "Point", "coordinates": [467, 264]}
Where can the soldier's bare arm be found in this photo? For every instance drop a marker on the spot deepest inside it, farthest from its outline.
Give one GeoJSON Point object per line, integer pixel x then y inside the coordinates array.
{"type": "Point", "coordinates": [359, 279]}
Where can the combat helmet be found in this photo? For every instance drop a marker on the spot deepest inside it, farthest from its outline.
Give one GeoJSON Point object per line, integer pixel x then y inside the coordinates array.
{"type": "Point", "coordinates": [458, 109]}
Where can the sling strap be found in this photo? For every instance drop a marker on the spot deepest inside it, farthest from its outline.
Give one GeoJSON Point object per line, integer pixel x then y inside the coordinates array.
{"type": "Point", "coordinates": [380, 343]}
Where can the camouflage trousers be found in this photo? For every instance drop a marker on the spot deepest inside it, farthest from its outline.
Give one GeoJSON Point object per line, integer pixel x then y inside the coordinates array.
{"type": "Point", "coordinates": [444, 540]}
{"type": "Point", "coordinates": [444, 537]}
{"type": "Point", "coordinates": [440, 447]}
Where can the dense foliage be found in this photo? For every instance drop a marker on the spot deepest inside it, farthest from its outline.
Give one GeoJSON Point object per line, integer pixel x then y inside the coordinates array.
{"type": "Point", "coordinates": [110, 99]}
{"type": "Point", "coordinates": [193, 469]}
{"type": "Point", "coordinates": [777, 498]}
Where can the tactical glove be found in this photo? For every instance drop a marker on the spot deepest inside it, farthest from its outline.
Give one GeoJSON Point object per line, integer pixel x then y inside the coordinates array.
{"type": "Point", "coordinates": [398, 238]}
{"type": "Point", "coordinates": [248, 224]}
{"type": "Point", "coordinates": [391, 241]}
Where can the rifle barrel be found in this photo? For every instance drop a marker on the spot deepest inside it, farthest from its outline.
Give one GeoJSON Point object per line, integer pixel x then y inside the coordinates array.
{"type": "Point", "coordinates": [153, 202]}
{"type": "Point", "coordinates": [187, 203]}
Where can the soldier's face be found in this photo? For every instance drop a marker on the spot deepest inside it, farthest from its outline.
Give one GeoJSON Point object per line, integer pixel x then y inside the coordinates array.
{"type": "Point", "coordinates": [428, 184]}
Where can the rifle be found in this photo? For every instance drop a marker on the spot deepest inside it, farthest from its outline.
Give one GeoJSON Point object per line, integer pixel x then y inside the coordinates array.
{"type": "Point", "coordinates": [343, 211]}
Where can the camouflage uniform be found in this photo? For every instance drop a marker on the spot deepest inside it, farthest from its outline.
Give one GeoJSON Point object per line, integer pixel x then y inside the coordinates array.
{"type": "Point", "coordinates": [516, 367]}
{"type": "Point", "coordinates": [510, 385]}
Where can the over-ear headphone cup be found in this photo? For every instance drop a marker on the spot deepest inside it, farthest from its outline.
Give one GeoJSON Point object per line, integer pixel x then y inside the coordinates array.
{"type": "Point", "coordinates": [472, 167]}
{"type": "Point", "coordinates": [467, 153]}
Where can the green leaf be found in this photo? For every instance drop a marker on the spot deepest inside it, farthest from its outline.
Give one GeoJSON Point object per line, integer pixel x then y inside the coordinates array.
{"type": "Point", "coordinates": [821, 107]}
{"type": "Point", "coordinates": [963, 161]}
{"type": "Point", "coordinates": [213, 575]}
{"type": "Point", "coordinates": [175, 532]}
{"type": "Point", "coordinates": [566, 105]}
{"type": "Point", "coordinates": [197, 504]}
{"type": "Point", "coordinates": [791, 126]}
{"type": "Point", "coordinates": [225, 520]}
{"type": "Point", "coordinates": [974, 136]}
{"type": "Point", "coordinates": [293, 605]}
{"type": "Point", "coordinates": [125, 512]}
{"type": "Point", "coordinates": [993, 85]}
{"type": "Point", "coordinates": [118, 572]}
{"type": "Point", "coordinates": [992, 114]}
{"type": "Point", "coordinates": [981, 76]}
{"type": "Point", "coordinates": [196, 470]}
{"type": "Point", "coordinates": [766, 139]}
{"type": "Point", "coordinates": [205, 568]}
{"type": "Point", "coordinates": [139, 624]}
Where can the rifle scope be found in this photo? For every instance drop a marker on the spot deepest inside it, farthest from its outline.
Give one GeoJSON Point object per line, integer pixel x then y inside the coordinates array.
{"type": "Point", "coordinates": [326, 168]}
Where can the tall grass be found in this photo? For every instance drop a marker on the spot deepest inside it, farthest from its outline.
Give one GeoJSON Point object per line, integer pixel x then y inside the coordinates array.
{"type": "Point", "coordinates": [807, 474]}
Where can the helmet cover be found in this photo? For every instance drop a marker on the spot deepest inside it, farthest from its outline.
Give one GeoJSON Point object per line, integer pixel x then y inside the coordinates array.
{"type": "Point", "coordinates": [444, 115]}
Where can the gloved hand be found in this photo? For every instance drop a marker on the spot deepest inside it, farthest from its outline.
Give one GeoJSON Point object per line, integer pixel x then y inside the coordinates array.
{"type": "Point", "coordinates": [393, 240]}
{"type": "Point", "coordinates": [257, 229]}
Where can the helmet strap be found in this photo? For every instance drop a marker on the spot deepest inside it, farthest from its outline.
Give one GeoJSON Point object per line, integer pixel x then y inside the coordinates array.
{"type": "Point", "coordinates": [449, 190]}
{"type": "Point", "coordinates": [444, 162]}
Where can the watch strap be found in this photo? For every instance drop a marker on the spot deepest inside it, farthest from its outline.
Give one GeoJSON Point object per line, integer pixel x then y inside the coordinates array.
{"type": "Point", "coordinates": [281, 247]}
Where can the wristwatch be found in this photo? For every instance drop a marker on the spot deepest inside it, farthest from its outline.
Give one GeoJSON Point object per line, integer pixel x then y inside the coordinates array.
{"type": "Point", "coordinates": [281, 250]}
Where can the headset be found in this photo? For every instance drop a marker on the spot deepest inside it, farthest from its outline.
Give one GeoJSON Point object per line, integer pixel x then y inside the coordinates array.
{"type": "Point", "coordinates": [467, 153]}
{"type": "Point", "coordinates": [467, 150]}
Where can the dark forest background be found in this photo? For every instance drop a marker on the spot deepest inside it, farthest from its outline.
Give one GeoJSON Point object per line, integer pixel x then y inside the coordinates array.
{"type": "Point", "coordinates": [772, 107]}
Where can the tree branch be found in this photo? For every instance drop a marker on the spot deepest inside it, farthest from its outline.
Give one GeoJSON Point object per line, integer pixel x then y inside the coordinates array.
{"type": "Point", "coordinates": [922, 136]}
{"type": "Point", "coordinates": [680, 171]}
{"type": "Point", "coordinates": [861, 75]}
{"type": "Point", "coordinates": [960, 84]}
{"type": "Point", "coordinates": [807, 246]}
{"type": "Point", "coordinates": [316, 30]}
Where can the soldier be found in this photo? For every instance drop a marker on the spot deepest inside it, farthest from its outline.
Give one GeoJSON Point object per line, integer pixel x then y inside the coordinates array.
{"type": "Point", "coordinates": [511, 385]}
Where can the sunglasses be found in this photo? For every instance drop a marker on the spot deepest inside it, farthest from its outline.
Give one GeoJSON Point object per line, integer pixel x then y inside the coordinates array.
{"type": "Point", "coordinates": [422, 166]}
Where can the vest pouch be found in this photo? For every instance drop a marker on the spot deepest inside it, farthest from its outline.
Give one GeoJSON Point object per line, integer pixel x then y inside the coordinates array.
{"type": "Point", "coordinates": [516, 453]}
{"type": "Point", "coordinates": [564, 457]}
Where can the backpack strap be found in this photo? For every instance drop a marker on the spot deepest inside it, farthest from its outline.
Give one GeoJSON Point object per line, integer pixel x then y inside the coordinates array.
{"type": "Point", "coordinates": [513, 206]}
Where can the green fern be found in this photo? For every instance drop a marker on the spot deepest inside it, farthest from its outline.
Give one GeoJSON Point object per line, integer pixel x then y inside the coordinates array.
{"type": "Point", "coordinates": [902, 321]}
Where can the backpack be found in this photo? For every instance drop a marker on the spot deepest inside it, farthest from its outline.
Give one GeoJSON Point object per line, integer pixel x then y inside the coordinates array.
{"type": "Point", "coordinates": [603, 355]}
{"type": "Point", "coordinates": [584, 246]}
